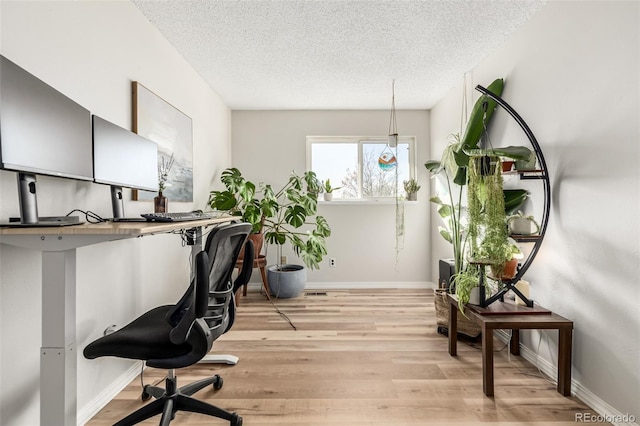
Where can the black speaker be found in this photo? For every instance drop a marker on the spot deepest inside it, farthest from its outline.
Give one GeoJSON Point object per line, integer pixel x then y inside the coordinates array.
{"type": "Point", "coordinates": [447, 268]}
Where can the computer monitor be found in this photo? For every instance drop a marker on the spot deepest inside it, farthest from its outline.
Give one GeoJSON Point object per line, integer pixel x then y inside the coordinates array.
{"type": "Point", "coordinates": [42, 132]}
{"type": "Point", "coordinates": [123, 159]}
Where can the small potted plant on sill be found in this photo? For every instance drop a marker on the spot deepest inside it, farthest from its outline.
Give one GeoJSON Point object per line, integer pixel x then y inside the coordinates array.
{"type": "Point", "coordinates": [411, 188]}
{"type": "Point", "coordinates": [328, 190]}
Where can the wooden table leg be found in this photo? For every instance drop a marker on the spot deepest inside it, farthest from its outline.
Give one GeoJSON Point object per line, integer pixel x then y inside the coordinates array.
{"type": "Point", "coordinates": [514, 344]}
{"type": "Point", "coordinates": [453, 329]}
{"type": "Point", "coordinates": [564, 361]}
{"type": "Point", "coordinates": [487, 360]}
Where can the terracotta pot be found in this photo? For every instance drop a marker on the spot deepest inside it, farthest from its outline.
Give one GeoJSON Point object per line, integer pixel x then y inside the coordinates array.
{"type": "Point", "coordinates": [258, 242]}
{"type": "Point", "coordinates": [507, 165]}
{"type": "Point", "coordinates": [510, 269]}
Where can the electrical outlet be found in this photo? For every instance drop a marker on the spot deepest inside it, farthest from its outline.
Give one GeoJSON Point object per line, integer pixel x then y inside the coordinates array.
{"type": "Point", "coordinates": [283, 260]}
{"type": "Point", "coordinates": [332, 262]}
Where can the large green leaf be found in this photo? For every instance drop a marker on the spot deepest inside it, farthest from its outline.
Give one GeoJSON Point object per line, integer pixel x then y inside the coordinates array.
{"type": "Point", "coordinates": [222, 200]}
{"type": "Point", "coordinates": [515, 152]}
{"type": "Point", "coordinates": [513, 199]}
{"type": "Point", "coordinates": [252, 214]}
{"type": "Point", "coordinates": [446, 234]}
{"type": "Point", "coordinates": [477, 119]}
{"type": "Point", "coordinates": [434, 166]}
{"type": "Point", "coordinates": [275, 237]}
{"type": "Point", "coordinates": [232, 179]}
{"type": "Point", "coordinates": [247, 191]}
{"type": "Point", "coordinates": [322, 226]}
{"type": "Point", "coordinates": [295, 215]}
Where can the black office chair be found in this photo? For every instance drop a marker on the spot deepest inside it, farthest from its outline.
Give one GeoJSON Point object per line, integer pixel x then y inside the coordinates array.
{"type": "Point", "coordinates": [176, 336]}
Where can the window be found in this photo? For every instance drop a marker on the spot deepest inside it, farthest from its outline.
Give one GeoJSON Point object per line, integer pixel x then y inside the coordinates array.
{"type": "Point", "coordinates": [357, 166]}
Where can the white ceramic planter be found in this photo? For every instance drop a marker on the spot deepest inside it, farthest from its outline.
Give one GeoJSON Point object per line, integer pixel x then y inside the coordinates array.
{"type": "Point", "coordinates": [474, 296]}
{"type": "Point", "coordinates": [522, 226]}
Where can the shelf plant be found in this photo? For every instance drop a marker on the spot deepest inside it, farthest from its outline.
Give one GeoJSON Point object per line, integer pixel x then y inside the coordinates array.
{"type": "Point", "coordinates": [288, 214]}
{"type": "Point", "coordinates": [325, 186]}
{"type": "Point", "coordinates": [411, 189]}
{"type": "Point", "coordinates": [453, 166]}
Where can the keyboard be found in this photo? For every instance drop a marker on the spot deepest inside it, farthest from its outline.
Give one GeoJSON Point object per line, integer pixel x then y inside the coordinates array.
{"type": "Point", "coordinates": [179, 216]}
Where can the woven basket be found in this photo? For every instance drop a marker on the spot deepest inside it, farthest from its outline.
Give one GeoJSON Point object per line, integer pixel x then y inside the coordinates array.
{"type": "Point", "coordinates": [465, 325]}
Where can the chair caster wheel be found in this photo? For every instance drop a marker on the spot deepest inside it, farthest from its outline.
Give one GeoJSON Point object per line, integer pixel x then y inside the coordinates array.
{"type": "Point", "coordinates": [145, 395]}
{"type": "Point", "coordinates": [217, 385]}
{"type": "Point", "coordinates": [236, 420]}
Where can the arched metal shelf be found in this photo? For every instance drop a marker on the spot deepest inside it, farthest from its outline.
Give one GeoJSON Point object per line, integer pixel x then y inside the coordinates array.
{"type": "Point", "coordinates": [541, 174]}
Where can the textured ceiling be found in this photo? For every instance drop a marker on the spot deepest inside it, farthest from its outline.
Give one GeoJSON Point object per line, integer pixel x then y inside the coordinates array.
{"type": "Point", "coordinates": [331, 54]}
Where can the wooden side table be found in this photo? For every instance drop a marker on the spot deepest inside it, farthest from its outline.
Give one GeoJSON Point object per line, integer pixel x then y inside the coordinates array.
{"type": "Point", "coordinates": [501, 315]}
{"type": "Point", "coordinates": [261, 263]}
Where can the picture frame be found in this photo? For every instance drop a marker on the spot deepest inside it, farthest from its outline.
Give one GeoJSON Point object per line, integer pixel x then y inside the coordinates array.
{"type": "Point", "coordinates": [159, 121]}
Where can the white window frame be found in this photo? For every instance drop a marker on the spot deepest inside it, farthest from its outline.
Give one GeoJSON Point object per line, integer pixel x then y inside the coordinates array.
{"type": "Point", "coordinates": [360, 141]}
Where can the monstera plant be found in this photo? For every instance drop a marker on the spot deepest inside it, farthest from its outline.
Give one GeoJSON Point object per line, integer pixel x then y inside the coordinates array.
{"type": "Point", "coordinates": [284, 215]}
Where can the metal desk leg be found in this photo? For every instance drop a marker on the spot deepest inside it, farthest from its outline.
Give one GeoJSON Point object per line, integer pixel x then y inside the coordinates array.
{"type": "Point", "coordinates": [58, 363]}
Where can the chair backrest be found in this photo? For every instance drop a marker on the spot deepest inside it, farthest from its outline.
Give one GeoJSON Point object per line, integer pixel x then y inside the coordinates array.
{"type": "Point", "coordinates": [208, 301]}
{"type": "Point", "coordinates": [223, 244]}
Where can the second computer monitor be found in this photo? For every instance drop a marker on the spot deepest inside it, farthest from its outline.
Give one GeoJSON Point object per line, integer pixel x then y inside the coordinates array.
{"type": "Point", "coordinates": [123, 159]}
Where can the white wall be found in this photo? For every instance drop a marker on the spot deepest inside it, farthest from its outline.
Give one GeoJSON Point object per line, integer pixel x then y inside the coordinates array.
{"type": "Point", "coordinates": [268, 145]}
{"type": "Point", "coordinates": [573, 74]}
{"type": "Point", "coordinates": [91, 51]}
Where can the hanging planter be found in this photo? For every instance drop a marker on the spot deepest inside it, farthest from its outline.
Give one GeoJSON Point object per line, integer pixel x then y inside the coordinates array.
{"type": "Point", "coordinates": [487, 219]}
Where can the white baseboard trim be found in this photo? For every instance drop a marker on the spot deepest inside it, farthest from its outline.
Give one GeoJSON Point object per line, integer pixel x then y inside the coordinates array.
{"type": "Point", "coordinates": [104, 397]}
{"type": "Point", "coordinates": [609, 413]}
{"type": "Point", "coordinates": [350, 285]}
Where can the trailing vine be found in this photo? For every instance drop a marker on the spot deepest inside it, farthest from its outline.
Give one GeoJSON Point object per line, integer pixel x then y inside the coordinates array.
{"type": "Point", "coordinates": [487, 219]}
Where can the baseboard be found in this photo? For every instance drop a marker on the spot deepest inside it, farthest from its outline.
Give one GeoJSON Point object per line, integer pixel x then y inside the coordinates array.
{"type": "Point", "coordinates": [104, 397]}
{"type": "Point", "coordinates": [350, 285]}
{"type": "Point", "coordinates": [609, 413]}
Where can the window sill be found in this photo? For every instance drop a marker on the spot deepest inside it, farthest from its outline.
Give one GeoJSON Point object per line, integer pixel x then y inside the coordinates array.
{"type": "Point", "coordinates": [365, 202]}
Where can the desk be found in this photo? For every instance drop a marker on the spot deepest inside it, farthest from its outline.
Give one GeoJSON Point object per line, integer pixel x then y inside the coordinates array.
{"type": "Point", "coordinates": [501, 315]}
{"type": "Point", "coordinates": [58, 371]}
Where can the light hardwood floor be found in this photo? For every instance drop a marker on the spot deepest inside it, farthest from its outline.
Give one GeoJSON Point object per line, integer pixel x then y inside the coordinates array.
{"type": "Point", "coordinates": [366, 357]}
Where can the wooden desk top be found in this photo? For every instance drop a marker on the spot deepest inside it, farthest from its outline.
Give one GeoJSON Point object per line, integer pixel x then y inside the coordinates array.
{"type": "Point", "coordinates": [113, 228]}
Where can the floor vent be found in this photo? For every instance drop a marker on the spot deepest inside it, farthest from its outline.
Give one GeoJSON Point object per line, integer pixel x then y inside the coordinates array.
{"type": "Point", "coordinates": [315, 293]}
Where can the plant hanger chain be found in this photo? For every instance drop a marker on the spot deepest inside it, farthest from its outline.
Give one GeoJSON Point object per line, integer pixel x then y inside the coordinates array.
{"type": "Point", "coordinates": [464, 115]}
{"type": "Point", "coordinates": [393, 124]}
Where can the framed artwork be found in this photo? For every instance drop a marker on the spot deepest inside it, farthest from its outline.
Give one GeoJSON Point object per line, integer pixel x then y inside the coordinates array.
{"type": "Point", "coordinates": [159, 121]}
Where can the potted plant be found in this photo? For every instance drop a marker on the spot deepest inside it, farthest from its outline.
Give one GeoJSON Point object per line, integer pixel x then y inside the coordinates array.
{"type": "Point", "coordinates": [465, 284]}
{"type": "Point", "coordinates": [519, 224]}
{"type": "Point", "coordinates": [510, 267]}
{"type": "Point", "coordinates": [453, 165]}
{"type": "Point", "coordinates": [328, 189]}
{"type": "Point", "coordinates": [287, 215]}
{"type": "Point", "coordinates": [487, 218]}
{"type": "Point", "coordinates": [411, 188]}
{"type": "Point", "coordinates": [451, 168]}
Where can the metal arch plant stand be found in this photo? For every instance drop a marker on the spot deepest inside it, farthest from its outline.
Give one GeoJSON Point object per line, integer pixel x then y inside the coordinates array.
{"type": "Point", "coordinates": [542, 175]}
